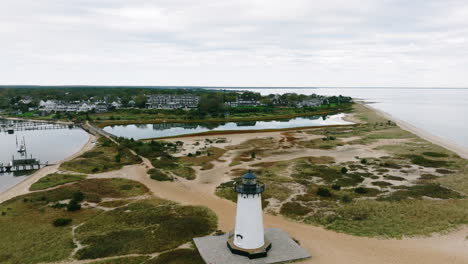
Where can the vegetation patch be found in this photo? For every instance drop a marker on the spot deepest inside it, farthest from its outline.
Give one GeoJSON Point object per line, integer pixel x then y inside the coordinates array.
{"type": "Point", "coordinates": [204, 159]}
{"type": "Point", "coordinates": [55, 179]}
{"type": "Point", "coordinates": [178, 256]}
{"type": "Point", "coordinates": [143, 227]}
{"type": "Point", "coordinates": [423, 190]}
{"type": "Point", "coordinates": [381, 184]}
{"type": "Point", "coordinates": [393, 220]}
{"type": "Point", "coordinates": [435, 154]}
{"type": "Point", "coordinates": [31, 231]}
{"type": "Point", "coordinates": [425, 162]}
{"type": "Point", "coordinates": [294, 209]}
{"type": "Point", "coordinates": [106, 156]}
{"type": "Point", "coordinates": [114, 203]}
{"type": "Point", "coordinates": [158, 175]}
{"type": "Point", "coordinates": [394, 178]}
{"type": "Point", "coordinates": [171, 165]}
{"type": "Point", "coordinates": [123, 260]}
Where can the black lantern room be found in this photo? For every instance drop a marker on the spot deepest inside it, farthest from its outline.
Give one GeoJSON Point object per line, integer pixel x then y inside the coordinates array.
{"type": "Point", "coordinates": [249, 184]}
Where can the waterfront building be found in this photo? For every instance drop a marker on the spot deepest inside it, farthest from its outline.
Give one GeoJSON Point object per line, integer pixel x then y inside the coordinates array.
{"type": "Point", "coordinates": [167, 101]}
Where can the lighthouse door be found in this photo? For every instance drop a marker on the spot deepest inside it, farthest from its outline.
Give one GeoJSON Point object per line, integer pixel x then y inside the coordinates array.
{"type": "Point", "coordinates": [238, 240]}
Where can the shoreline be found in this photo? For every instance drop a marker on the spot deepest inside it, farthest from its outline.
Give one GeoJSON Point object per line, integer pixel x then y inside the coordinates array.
{"type": "Point", "coordinates": [22, 187]}
{"type": "Point", "coordinates": [424, 134]}
{"type": "Point", "coordinates": [104, 123]}
{"type": "Point", "coordinates": [250, 131]}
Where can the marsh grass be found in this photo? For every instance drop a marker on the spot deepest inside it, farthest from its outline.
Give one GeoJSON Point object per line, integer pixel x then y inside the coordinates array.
{"type": "Point", "coordinates": [55, 179]}
{"type": "Point", "coordinates": [101, 159]}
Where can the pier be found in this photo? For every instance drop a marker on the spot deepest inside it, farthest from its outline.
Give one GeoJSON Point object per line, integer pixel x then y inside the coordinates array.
{"type": "Point", "coordinates": [22, 165]}
{"type": "Point", "coordinates": [29, 125]}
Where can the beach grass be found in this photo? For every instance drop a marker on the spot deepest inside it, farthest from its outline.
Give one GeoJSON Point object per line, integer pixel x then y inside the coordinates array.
{"type": "Point", "coordinates": [143, 227]}
{"type": "Point", "coordinates": [123, 260]}
{"type": "Point", "coordinates": [178, 256]}
{"type": "Point", "coordinates": [106, 156]}
{"type": "Point", "coordinates": [26, 222]}
{"type": "Point", "coordinates": [159, 175]}
{"type": "Point", "coordinates": [204, 159]}
{"type": "Point", "coordinates": [55, 179]}
{"type": "Point", "coordinates": [393, 219]}
{"type": "Point", "coordinates": [114, 203]}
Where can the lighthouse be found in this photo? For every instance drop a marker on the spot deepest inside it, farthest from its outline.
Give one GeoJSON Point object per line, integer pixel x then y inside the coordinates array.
{"type": "Point", "coordinates": [248, 238]}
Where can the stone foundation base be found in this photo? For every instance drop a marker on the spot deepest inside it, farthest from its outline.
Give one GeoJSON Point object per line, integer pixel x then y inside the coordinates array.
{"type": "Point", "coordinates": [260, 252]}
{"type": "Point", "coordinates": [213, 249]}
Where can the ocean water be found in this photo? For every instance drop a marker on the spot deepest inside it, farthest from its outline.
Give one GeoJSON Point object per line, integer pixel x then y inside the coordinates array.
{"type": "Point", "coordinates": [442, 112]}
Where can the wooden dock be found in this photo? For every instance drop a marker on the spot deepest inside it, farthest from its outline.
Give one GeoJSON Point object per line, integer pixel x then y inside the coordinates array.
{"type": "Point", "coordinates": [24, 126]}
{"type": "Point", "coordinates": [22, 165]}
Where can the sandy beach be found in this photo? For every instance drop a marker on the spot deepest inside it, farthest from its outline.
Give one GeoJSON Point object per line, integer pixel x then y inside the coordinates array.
{"type": "Point", "coordinates": [326, 247]}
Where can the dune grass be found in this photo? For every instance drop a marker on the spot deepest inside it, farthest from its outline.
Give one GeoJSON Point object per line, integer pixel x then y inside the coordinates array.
{"type": "Point", "coordinates": [106, 156]}
{"type": "Point", "coordinates": [123, 260]}
{"type": "Point", "coordinates": [114, 203]}
{"type": "Point", "coordinates": [26, 222]}
{"type": "Point", "coordinates": [166, 165]}
{"type": "Point", "coordinates": [178, 256]}
{"type": "Point", "coordinates": [143, 227]}
{"type": "Point", "coordinates": [55, 179]}
{"type": "Point", "coordinates": [158, 175]}
{"type": "Point", "coordinates": [393, 219]}
{"type": "Point", "coordinates": [205, 159]}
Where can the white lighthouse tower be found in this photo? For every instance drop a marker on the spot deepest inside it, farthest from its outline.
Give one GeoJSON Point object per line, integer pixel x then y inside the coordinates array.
{"type": "Point", "coordinates": [249, 238]}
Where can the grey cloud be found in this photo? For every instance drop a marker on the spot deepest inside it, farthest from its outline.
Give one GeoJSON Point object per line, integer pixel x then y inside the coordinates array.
{"type": "Point", "coordinates": [242, 42]}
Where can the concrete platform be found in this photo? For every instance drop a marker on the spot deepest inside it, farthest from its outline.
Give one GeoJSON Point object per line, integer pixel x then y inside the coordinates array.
{"type": "Point", "coordinates": [214, 250]}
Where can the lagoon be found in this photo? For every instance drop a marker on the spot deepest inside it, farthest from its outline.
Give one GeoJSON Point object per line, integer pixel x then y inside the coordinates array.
{"type": "Point", "coordinates": [142, 131]}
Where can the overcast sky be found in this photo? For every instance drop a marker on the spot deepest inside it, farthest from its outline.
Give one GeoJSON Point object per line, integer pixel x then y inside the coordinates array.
{"type": "Point", "coordinates": [235, 43]}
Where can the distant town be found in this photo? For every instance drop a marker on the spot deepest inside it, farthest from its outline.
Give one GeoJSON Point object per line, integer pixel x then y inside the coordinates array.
{"type": "Point", "coordinates": [43, 102]}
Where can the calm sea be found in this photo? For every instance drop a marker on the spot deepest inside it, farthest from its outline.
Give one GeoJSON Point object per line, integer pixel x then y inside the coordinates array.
{"type": "Point", "coordinates": [442, 112]}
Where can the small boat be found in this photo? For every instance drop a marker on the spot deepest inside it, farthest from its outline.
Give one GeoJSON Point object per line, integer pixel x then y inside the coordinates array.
{"type": "Point", "coordinates": [11, 129]}
{"type": "Point", "coordinates": [21, 148]}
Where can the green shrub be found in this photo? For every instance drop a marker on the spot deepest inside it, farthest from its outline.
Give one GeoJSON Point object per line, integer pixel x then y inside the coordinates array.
{"type": "Point", "coordinates": [336, 187]}
{"type": "Point", "coordinates": [360, 190]}
{"type": "Point", "coordinates": [346, 199]}
{"type": "Point", "coordinates": [78, 196]}
{"type": "Point", "coordinates": [61, 222]}
{"type": "Point", "coordinates": [73, 206]}
{"type": "Point", "coordinates": [324, 192]}
{"type": "Point", "coordinates": [344, 170]}
{"type": "Point", "coordinates": [363, 161]}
